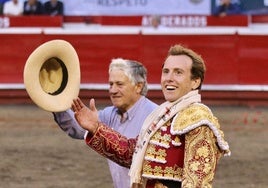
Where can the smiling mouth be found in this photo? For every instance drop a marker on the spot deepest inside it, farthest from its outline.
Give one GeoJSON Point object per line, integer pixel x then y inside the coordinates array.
{"type": "Point", "coordinates": [170, 88]}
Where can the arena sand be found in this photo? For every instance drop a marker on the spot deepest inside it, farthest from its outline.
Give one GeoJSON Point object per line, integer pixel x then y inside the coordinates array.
{"type": "Point", "coordinates": [35, 153]}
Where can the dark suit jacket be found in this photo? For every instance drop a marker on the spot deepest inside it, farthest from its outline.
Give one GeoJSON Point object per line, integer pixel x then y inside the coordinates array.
{"type": "Point", "coordinates": [37, 9]}
{"type": "Point", "coordinates": [53, 10]}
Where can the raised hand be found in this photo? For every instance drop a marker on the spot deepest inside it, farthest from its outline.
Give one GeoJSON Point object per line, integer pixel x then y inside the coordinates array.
{"type": "Point", "coordinates": [86, 117]}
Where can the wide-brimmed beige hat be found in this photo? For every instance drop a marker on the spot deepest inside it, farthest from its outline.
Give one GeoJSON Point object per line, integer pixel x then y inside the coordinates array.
{"type": "Point", "coordinates": [52, 75]}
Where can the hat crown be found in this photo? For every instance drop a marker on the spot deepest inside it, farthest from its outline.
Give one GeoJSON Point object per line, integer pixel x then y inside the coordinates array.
{"type": "Point", "coordinates": [53, 76]}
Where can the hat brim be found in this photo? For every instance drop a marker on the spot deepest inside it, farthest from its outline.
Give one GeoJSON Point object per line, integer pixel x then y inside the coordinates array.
{"type": "Point", "coordinates": [64, 51]}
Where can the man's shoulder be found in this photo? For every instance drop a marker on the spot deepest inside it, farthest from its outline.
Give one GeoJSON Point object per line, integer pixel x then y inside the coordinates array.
{"type": "Point", "coordinates": [195, 107]}
{"type": "Point", "coordinates": [149, 103]}
{"type": "Point", "coordinates": [193, 116]}
{"type": "Point", "coordinates": [196, 111]}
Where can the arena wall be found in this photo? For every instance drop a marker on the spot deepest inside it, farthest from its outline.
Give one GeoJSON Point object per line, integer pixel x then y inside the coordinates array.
{"type": "Point", "coordinates": [236, 58]}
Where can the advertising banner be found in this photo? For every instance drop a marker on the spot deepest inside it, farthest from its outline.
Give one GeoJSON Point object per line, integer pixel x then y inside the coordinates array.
{"type": "Point", "coordinates": [136, 7]}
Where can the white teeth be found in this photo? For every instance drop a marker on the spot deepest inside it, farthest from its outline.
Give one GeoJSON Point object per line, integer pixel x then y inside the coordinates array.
{"type": "Point", "coordinates": [170, 87]}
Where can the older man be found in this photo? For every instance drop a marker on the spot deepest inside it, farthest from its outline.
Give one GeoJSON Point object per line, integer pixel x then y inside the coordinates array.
{"type": "Point", "coordinates": [128, 88]}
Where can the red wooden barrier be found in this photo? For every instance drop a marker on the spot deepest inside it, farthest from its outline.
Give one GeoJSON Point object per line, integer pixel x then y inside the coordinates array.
{"type": "Point", "coordinates": [31, 21]}
{"type": "Point", "coordinates": [230, 59]}
{"type": "Point", "coordinates": [233, 58]}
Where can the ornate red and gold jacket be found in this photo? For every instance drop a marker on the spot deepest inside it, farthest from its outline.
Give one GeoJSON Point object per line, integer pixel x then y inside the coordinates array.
{"type": "Point", "coordinates": [185, 149]}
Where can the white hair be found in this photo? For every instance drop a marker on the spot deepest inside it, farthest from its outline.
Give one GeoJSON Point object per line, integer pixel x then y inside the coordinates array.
{"type": "Point", "coordinates": [134, 70]}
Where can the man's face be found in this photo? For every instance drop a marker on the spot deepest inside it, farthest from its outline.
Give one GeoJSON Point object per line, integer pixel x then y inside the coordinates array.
{"type": "Point", "coordinates": [122, 92]}
{"type": "Point", "coordinates": [176, 77]}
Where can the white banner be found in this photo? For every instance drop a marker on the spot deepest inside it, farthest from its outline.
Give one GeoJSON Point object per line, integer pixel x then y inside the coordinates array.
{"type": "Point", "coordinates": [136, 7]}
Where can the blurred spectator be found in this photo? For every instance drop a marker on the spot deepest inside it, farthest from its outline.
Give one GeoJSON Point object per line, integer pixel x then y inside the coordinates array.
{"type": "Point", "coordinates": [13, 8]}
{"type": "Point", "coordinates": [2, 2]}
{"type": "Point", "coordinates": [155, 21]}
{"type": "Point", "coordinates": [33, 7]}
{"type": "Point", "coordinates": [53, 7]}
{"type": "Point", "coordinates": [226, 7]}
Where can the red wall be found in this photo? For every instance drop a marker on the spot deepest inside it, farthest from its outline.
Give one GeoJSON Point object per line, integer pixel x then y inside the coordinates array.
{"type": "Point", "coordinates": [230, 59]}
{"type": "Point", "coordinates": [234, 58]}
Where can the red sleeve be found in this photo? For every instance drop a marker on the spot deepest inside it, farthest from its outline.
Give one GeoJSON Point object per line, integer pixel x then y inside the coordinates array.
{"type": "Point", "coordinates": [112, 145]}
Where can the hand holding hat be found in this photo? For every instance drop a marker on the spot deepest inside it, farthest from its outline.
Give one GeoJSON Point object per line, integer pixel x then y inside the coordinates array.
{"type": "Point", "coordinates": [52, 75]}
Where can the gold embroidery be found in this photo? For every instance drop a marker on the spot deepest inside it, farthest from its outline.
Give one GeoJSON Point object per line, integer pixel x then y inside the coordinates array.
{"type": "Point", "coordinates": [204, 145]}
{"type": "Point", "coordinates": [118, 149]}
{"type": "Point", "coordinates": [176, 141]}
{"type": "Point", "coordinates": [161, 155]}
{"type": "Point", "coordinates": [156, 137]}
{"type": "Point", "coordinates": [201, 156]}
{"type": "Point", "coordinates": [147, 168]}
{"type": "Point", "coordinates": [192, 115]}
{"type": "Point", "coordinates": [166, 138]}
{"type": "Point", "coordinates": [157, 152]}
{"type": "Point", "coordinates": [197, 115]}
{"type": "Point", "coordinates": [178, 173]}
{"type": "Point", "coordinates": [150, 151]}
{"type": "Point", "coordinates": [157, 171]}
{"type": "Point", "coordinates": [161, 140]}
{"type": "Point", "coordinates": [171, 173]}
{"type": "Point", "coordinates": [155, 155]}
